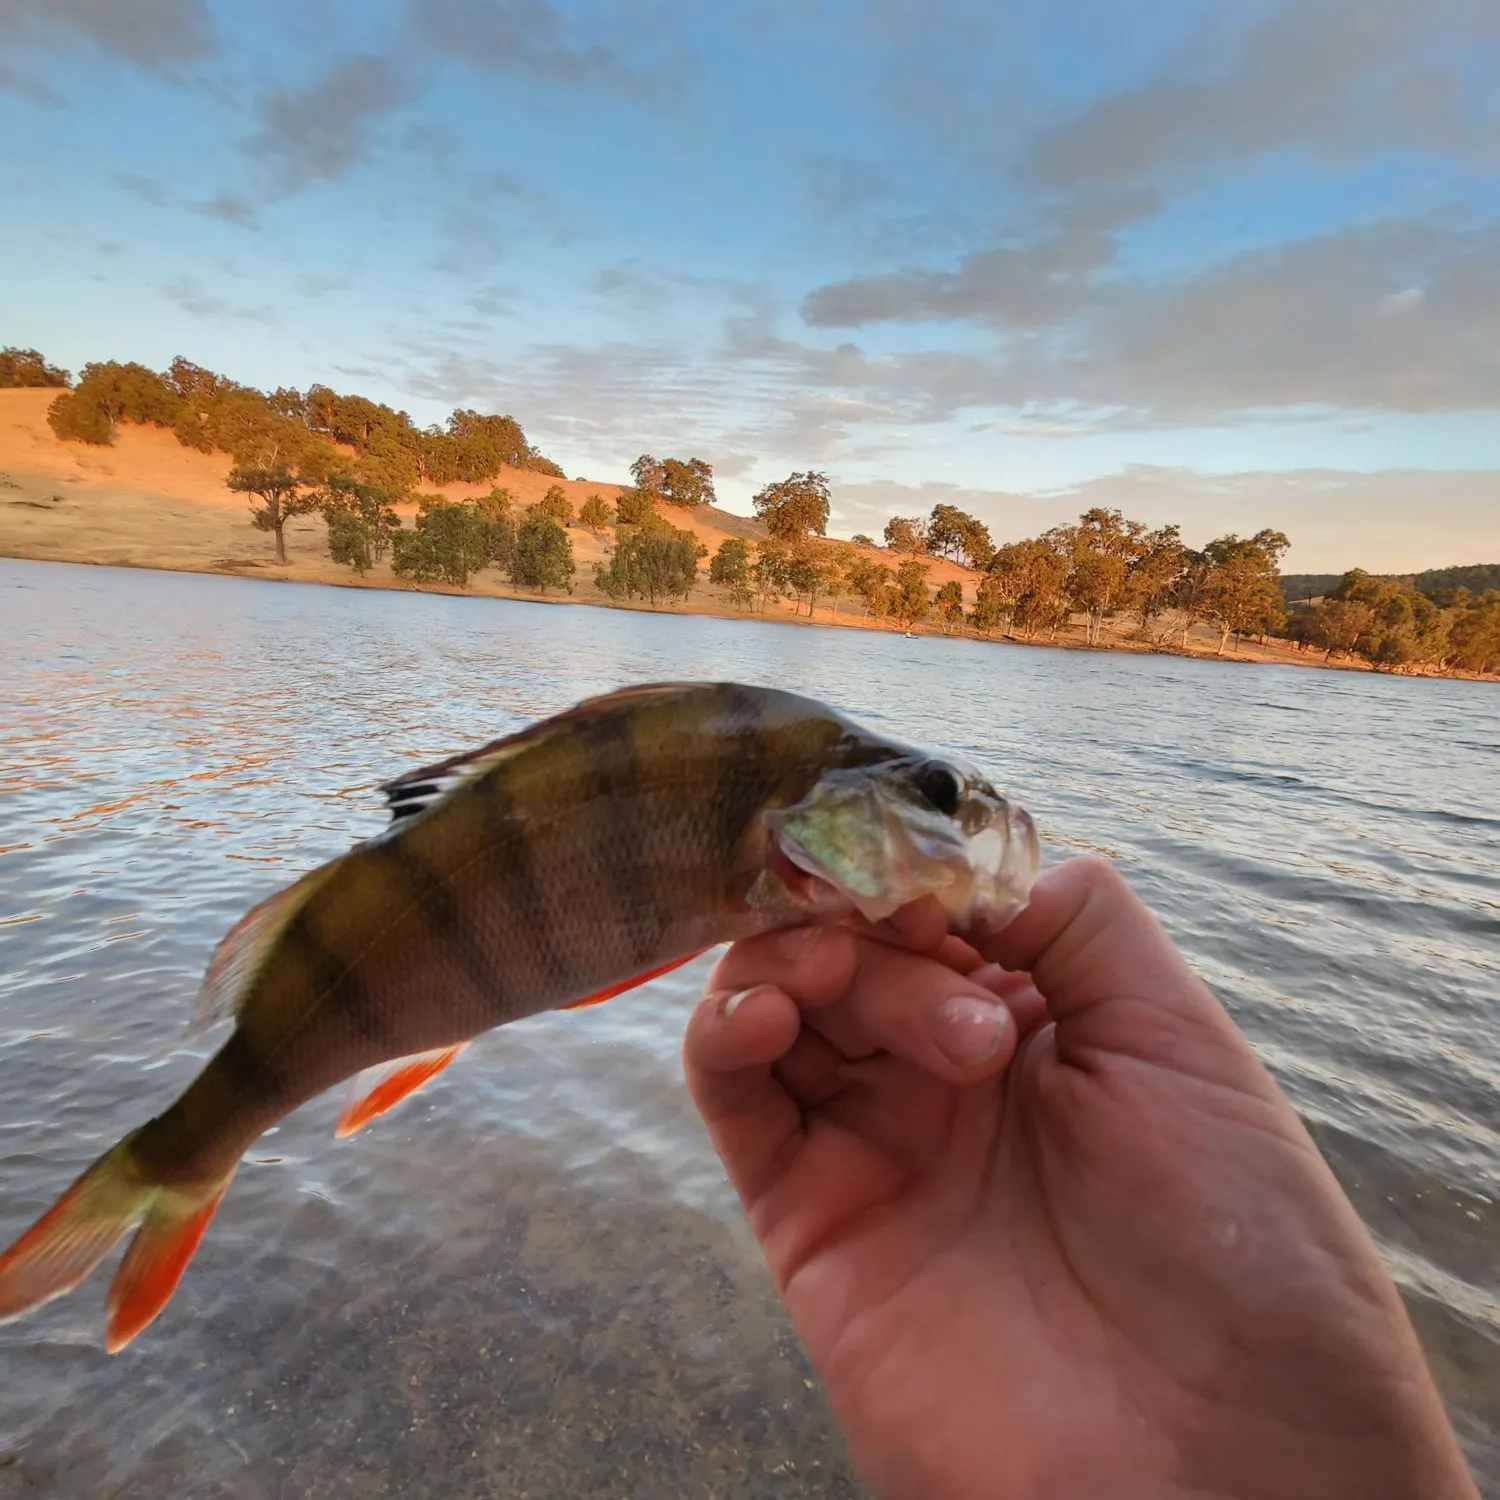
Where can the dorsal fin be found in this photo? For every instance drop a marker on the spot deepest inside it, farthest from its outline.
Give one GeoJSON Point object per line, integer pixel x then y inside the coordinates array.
{"type": "Point", "coordinates": [415, 791]}
{"type": "Point", "coordinates": [243, 950]}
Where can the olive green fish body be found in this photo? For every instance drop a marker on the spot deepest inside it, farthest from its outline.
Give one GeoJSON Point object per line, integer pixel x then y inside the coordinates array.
{"type": "Point", "coordinates": [536, 872]}
{"type": "Point", "coordinates": [599, 846]}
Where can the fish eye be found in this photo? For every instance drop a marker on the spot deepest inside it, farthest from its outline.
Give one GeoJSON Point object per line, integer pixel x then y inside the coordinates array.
{"type": "Point", "coordinates": [940, 785]}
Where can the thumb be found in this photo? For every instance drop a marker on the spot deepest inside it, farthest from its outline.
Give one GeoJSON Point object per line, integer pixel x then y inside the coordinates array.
{"type": "Point", "coordinates": [1107, 968]}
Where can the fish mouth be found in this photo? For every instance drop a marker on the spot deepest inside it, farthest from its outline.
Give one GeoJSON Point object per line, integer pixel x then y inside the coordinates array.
{"type": "Point", "coordinates": [982, 879]}
{"type": "Point", "coordinates": [1004, 866]}
{"type": "Point", "coordinates": [813, 892]}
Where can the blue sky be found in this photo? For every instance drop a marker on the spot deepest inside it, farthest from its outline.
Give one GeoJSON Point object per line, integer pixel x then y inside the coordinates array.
{"type": "Point", "coordinates": [1227, 262]}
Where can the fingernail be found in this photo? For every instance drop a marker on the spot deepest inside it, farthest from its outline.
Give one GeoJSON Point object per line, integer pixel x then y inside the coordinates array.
{"type": "Point", "coordinates": [732, 1004]}
{"type": "Point", "coordinates": [798, 942]}
{"type": "Point", "coordinates": [967, 1030]}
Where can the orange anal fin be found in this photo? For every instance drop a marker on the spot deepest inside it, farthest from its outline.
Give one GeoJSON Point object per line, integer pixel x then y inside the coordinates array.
{"type": "Point", "coordinates": [630, 984]}
{"type": "Point", "coordinates": [151, 1269]}
{"type": "Point", "coordinates": [395, 1082]}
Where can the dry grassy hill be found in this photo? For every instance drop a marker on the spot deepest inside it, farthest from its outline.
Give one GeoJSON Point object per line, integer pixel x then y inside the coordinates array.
{"type": "Point", "coordinates": [147, 501]}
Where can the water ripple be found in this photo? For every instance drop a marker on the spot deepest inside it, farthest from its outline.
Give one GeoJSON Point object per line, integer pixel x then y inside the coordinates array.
{"type": "Point", "coordinates": [1326, 847]}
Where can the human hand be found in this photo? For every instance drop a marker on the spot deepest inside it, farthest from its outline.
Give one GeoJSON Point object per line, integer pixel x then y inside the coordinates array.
{"type": "Point", "coordinates": [1051, 1230]}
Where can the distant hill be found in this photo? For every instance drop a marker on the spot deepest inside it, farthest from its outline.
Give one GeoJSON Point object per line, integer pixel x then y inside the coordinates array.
{"type": "Point", "coordinates": [1298, 588]}
{"type": "Point", "coordinates": [747, 528]}
{"type": "Point", "coordinates": [147, 500]}
{"type": "Point", "coordinates": [1436, 583]}
{"type": "Point", "coordinates": [1439, 584]}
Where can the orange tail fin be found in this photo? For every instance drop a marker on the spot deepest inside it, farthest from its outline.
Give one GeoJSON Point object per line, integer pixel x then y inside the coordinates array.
{"type": "Point", "coordinates": [154, 1264]}
{"type": "Point", "coordinates": [79, 1230]}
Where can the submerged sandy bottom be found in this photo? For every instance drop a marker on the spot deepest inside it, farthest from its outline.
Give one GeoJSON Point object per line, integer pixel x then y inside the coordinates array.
{"type": "Point", "coordinates": [532, 1279]}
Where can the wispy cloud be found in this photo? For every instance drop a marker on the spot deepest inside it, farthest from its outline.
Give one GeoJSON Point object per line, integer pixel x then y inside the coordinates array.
{"type": "Point", "coordinates": [321, 132]}
{"type": "Point", "coordinates": [229, 209]}
{"type": "Point", "coordinates": [1376, 316]}
{"type": "Point", "coordinates": [148, 189]}
{"type": "Point", "coordinates": [1390, 317]}
{"type": "Point", "coordinates": [1337, 78]}
{"type": "Point", "coordinates": [197, 300]}
{"type": "Point", "coordinates": [1393, 317]}
{"type": "Point", "coordinates": [531, 39]}
{"type": "Point", "coordinates": [13, 81]}
{"type": "Point", "coordinates": [1030, 284]}
{"type": "Point", "coordinates": [156, 35]}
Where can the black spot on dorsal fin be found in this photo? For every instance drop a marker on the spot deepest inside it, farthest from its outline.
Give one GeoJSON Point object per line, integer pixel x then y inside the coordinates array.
{"type": "Point", "coordinates": [407, 800]}
{"type": "Point", "coordinates": [416, 792]}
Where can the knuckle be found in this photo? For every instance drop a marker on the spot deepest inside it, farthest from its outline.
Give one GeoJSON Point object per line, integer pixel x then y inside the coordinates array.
{"type": "Point", "coordinates": [1096, 875]}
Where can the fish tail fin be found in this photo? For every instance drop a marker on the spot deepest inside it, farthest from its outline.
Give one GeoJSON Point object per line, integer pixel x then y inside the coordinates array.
{"type": "Point", "coordinates": [81, 1228]}
{"type": "Point", "coordinates": [74, 1235]}
{"type": "Point", "coordinates": [156, 1259]}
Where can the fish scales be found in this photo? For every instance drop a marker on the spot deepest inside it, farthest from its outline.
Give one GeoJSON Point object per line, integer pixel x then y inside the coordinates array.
{"type": "Point", "coordinates": [509, 899]}
{"type": "Point", "coordinates": [538, 871]}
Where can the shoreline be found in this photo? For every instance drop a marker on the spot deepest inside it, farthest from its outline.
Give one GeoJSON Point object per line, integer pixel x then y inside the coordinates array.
{"type": "Point", "coordinates": [1116, 644]}
{"type": "Point", "coordinates": [147, 502]}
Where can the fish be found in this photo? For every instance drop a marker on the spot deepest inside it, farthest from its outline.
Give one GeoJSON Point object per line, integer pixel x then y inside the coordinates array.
{"type": "Point", "coordinates": [551, 869]}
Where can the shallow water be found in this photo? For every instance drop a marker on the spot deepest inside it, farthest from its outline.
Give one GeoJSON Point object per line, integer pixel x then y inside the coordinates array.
{"type": "Point", "coordinates": [531, 1280]}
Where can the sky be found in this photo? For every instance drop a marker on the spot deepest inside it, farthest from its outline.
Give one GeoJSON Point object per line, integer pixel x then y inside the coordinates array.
{"type": "Point", "coordinates": [1228, 263]}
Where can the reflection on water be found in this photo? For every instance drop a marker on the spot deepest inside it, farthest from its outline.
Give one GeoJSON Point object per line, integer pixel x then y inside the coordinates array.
{"type": "Point", "coordinates": [532, 1280]}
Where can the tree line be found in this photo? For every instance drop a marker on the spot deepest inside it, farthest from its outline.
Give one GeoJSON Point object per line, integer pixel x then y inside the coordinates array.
{"type": "Point", "coordinates": [448, 542]}
{"type": "Point", "coordinates": [298, 431]}
{"type": "Point", "coordinates": [1441, 585]}
{"type": "Point", "coordinates": [1106, 567]}
{"type": "Point", "coordinates": [26, 367]}
{"type": "Point", "coordinates": [1102, 567]}
{"type": "Point", "coordinates": [1395, 625]}
{"type": "Point", "coordinates": [354, 460]}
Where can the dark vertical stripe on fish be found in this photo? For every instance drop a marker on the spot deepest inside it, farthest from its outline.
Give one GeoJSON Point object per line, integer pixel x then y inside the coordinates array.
{"type": "Point", "coordinates": [748, 778]}
{"type": "Point", "coordinates": [505, 837]}
{"type": "Point", "coordinates": [249, 1071]}
{"type": "Point", "coordinates": [436, 902]}
{"type": "Point", "coordinates": [614, 795]}
{"type": "Point", "coordinates": [328, 975]}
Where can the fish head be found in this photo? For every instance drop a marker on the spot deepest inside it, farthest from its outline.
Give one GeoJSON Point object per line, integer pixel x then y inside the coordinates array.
{"type": "Point", "coordinates": [898, 824]}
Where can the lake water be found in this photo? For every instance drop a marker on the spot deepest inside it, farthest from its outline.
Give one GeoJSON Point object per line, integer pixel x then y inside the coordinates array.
{"type": "Point", "coordinates": [532, 1280]}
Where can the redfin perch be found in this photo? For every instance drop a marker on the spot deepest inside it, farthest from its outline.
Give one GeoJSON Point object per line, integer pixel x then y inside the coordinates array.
{"type": "Point", "coordinates": [548, 870]}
